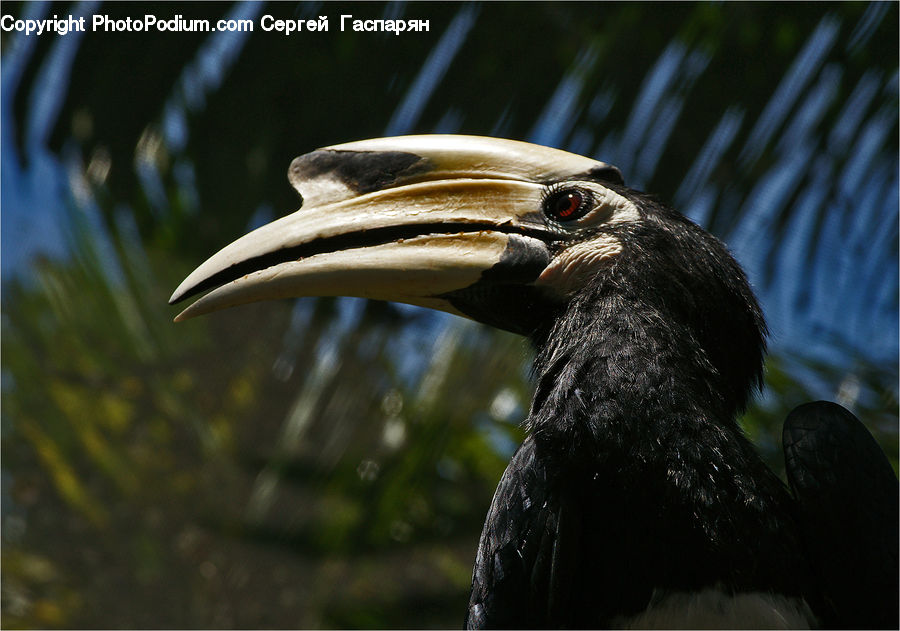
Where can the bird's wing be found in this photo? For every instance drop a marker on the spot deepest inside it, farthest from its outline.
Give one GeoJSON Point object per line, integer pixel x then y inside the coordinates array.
{"type": "Point", "coordinates": [847, 494]}
{"type": "Point", "coordinates": [526, 556]}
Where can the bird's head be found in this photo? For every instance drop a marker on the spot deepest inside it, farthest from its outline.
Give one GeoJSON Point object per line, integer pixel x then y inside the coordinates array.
{"type": "Point", "coordinates": [508, 233]}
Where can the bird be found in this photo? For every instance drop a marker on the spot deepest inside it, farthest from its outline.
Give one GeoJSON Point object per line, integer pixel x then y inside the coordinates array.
{"type": "Point", "coordinates": [635, 499]}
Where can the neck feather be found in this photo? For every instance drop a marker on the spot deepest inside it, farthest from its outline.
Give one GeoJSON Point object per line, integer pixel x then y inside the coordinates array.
{"type": "Point", "coordinates": [625, 391]}
{"type": "Point", "coordinates": [615, 366]}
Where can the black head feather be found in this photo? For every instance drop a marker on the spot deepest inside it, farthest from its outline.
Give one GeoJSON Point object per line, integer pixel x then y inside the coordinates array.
{"type": "Point", "coordinates": [673, 308]}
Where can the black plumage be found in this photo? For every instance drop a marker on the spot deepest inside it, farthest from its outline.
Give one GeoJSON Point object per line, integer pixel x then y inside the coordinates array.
{"type": "Point", "coordinates": [636, 482]}
{"type": "Point", "coordinates": [636, 498]}
{"type": "Point", "coordinates": [847, 494]}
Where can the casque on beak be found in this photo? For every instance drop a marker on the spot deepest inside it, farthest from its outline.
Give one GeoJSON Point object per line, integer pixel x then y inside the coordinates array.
{"type": "Point", "coordinates": [444, 222]}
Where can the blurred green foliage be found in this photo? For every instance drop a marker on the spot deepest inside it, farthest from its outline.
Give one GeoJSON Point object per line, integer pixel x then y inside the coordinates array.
{"type": "Point", "coordinates": [285, 465]}
{"type": "Point", "coordinates": [162, 461]}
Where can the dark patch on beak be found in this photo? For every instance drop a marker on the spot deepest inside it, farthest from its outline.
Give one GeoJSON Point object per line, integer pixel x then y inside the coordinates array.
{"type": "Point", "coordinates": [361, 171]}
{"type": "Point", "coordinates": [522, 261]}
{"type": "Point", "coordinates": [608, 173]}
{"type": "Point", "coordinates": [605, 174]}
{"type": "Point", "coordinates": [504, 296]}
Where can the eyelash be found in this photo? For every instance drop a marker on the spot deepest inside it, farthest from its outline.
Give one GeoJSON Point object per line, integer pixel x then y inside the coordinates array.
{"type": "Point", "coordinates": [553, 195]}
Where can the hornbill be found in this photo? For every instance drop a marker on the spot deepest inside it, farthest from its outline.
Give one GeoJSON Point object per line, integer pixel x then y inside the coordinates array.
{"type": "Point", "coordinates": [635, 500]}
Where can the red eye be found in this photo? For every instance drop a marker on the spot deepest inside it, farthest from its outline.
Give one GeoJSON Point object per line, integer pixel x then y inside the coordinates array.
{"type": "Point", "coordinates": [567, 205]}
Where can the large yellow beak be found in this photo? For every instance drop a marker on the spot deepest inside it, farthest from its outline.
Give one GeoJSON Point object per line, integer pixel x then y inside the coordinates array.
{"type": "Point", "coordinates": [426, 220]}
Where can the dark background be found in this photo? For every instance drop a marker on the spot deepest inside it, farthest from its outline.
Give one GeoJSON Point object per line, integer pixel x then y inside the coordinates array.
{"type": "Point", "coordinates": [328, 463]}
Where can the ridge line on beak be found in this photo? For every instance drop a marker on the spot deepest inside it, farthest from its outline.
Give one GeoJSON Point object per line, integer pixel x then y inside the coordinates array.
{"type": "Point", "coordinates": [408, 211]}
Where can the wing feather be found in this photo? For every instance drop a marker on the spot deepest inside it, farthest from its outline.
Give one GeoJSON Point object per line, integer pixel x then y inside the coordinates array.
{"type": "Point", "coordinates": [847, 494]}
